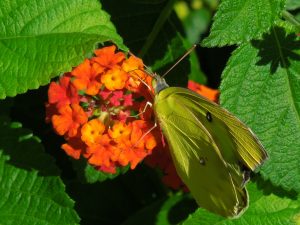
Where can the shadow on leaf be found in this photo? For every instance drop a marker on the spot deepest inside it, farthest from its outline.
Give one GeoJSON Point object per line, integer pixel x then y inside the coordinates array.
{"type": "Point", "coordinates": [268, 188]}
{"type": "Point", "coordinates": [25, 150]}
{"type": "Point", "coordinates": [181, 210]}
{"type": "Point", "coordinates": [277, 49]}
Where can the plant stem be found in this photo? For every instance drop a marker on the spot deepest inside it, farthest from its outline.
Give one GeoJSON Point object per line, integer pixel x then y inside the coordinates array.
{"type": "Point", "coordinates": [164, 15]}
{"type": "Point", "coordinates": [289, 17]}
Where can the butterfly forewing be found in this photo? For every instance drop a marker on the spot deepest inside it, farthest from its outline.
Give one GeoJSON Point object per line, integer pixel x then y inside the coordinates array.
{"type": "Point", "coordinates": [197, 152]}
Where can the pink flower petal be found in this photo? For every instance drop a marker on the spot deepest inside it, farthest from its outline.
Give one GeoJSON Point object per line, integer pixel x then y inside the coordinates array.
{"type": "Point", "coordinates": [104, 94]}
{"type": "Point", "coordinates": [127, 100]}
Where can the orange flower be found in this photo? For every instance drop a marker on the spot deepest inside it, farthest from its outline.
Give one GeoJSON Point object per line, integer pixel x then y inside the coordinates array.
{"type": "Point", "coordinates": [130, 153]}
{"type": "Point", "coordinates": [107, 58]}
{"type": "Point", "coordinates": [125, 151]}
{"type": "Point", "coordinates": [92, 131]}
{"type": "Point", "coordinates": [142, 142]}
{"type": "Point", "coordinates": [201, 89]}
{"type": "Point", "coordinates": [102, 153]}
{"type": "Point", "coordinates": [114, 79]}
{"type": "Point", "coordinates": [150, 142]}
{"type": "Point", "coordinates": [135, 67]}
{"type": "Point", "coordinates": [141, 135]}
{"type": "Point", "coordinates": [86, 78]}
{"type": "Point", "coordinates": [133, 64]}
{"type": "Point", "coordinates": [69, 120]}
{"type": "Point", "coordinates": [62, 93]}
{"type": "Point", "coordinates": [137, 138]}
{"type": "Point", "coordinates": [120, 131]}
{"type": "Point", "coordinates": [74, 153]}
{"type": "Point", "coordinates": [74, 147]}
{"type": "Point", "coordinates": [82, 73]}
{"type": "Point", "coordinates": [138, 156]}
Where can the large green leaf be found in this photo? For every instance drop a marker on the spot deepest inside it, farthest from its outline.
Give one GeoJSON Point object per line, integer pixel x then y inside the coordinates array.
{"type": "Point", "coordinates": [30, 188]}
{"type": "Point", "coordinates": [40, 39]}
{"type": "Point", "coordinates": [261, 85]}
{"type": "Point", "coordinates": [238, 21]}
{"type": "Point", "coordinates": [263, 209]}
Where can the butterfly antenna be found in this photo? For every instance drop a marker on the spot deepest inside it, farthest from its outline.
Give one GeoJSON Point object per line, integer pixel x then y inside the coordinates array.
{"type": "Point", "coordinates": [179, 60]}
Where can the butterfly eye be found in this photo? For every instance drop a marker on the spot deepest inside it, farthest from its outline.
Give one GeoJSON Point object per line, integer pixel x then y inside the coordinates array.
{"type": "Point", "coordinates": [208, 116]}
{"type": "Point", "coordinates": [202, 161]}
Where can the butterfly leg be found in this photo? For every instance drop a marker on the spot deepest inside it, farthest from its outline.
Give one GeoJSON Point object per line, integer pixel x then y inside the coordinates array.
{"type": "Point", "coordinates": [148, 104]}
{"type": "Point", "coordinates": [145, 134]}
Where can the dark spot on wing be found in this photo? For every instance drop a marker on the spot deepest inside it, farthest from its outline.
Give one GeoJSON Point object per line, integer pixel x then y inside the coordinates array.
{"type": "Point", "coordinates": [208, 116]}
{"type": "Point", "coordinates": [202, 161]}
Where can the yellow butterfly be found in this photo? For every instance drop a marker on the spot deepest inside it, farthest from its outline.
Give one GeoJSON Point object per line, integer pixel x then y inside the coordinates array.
{"type": "Point", "coordinates": [213, 151]}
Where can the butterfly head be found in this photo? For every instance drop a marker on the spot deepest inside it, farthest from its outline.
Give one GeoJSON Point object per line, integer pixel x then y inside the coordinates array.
{"type": "Point", "coordinates": [158, 83]}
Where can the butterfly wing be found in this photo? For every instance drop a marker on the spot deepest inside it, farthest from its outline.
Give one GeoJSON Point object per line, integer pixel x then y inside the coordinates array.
{"type": "Point", "coordinates": [207, 149]}
{"type": "Point", "coordinates": [236, 140]}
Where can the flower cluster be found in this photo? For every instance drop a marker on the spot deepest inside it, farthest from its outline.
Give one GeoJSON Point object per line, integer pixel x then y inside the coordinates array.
{"type": "Point", "coordinates": [100, 108]}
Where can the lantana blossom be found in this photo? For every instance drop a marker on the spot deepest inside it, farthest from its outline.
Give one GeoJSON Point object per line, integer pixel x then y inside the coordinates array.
{"type": "Point", "coordinates": [94, 108]}
{"type": "Point", "coordinates": [101, 108]}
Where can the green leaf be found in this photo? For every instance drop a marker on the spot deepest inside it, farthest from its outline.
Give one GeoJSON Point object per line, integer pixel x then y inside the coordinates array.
{"type": "Point", "coordinates": [176, 208]}
{"type": "Point", "coordinates": [30, 190]}
{"type": "Point", "coordinates": [238, 21]}
{"type": "Point", "coordinates": [212, 4]}
{"type": "Point", "coordinates": [164, 211]}
{"type": "Point", "coordinates": [92, 175]}
{"type": "Point", "coordinates": [263, 209]}
{"type": "Point", "coordinates": [196, 23]}
{"type": "Point", "coordinates": [261, 85]}
{"type": "Point", "coordinates": [89, 174]}
{"type": "Point", "coordinates": [298, 17]}
{"type": "Point", "coordinates": [292, 4]}
{"type": "Point", "coordinates": [39, 40]}
{"type": "Point", "coordinates": [19, 143]}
